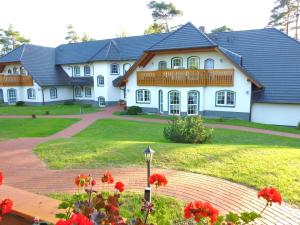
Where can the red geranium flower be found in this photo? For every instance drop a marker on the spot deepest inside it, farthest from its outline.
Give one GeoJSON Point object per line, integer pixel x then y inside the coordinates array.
{"type": "Point", "coordinates": [119, 186]}
{"type": "Point", "coordinates": [5, 206]}
{"type": "Point", "coordinates": [270, 194]}
{"type": "Point", "coordinates": [107, 178]}
{"type": "Point", "coordinates": [93, 182]}
{"type": "Point", "coordinates": [158, 180]}
{"type": "Point", "coordinates": [198, 210]}
{"type": "Point", "coordinates": [76, 219]}
{"type": "Point", "coordinates": [82, 180]}
{"type": "Point", "coordinates": [1, 178]}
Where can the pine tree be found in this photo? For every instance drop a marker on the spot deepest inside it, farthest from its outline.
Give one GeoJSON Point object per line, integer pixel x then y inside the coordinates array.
{"type": "Point", "coordinates": [86, 38]}
{"type": "Point", "coordinates": [221, 29]}
{"type": "Point", "coordinates": [72, 36]}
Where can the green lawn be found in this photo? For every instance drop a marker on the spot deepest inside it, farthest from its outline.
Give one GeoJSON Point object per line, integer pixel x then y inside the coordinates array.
{"type": "Point", "coordinates": [41, 127]}
{"type": "Point", "coordinates": [235, 122]}
{"type": "Point", "coordinates": [167, 210]}
{"type": "Point", "coordinates": [41, 110]}
{"type": "Point", "coordinates": [256, 160]}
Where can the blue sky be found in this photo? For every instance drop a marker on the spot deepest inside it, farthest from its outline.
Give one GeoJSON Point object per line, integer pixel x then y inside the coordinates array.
{"type": "Point", "coordinates": [44, 21]}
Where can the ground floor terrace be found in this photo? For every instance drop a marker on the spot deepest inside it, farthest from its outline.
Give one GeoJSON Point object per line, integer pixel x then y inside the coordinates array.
{"type": "Point", "coordinates": [225, 172]}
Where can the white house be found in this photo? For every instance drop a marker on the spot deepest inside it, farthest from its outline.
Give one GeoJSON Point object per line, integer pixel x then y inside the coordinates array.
{"type": "Point", "coordinates": [252, 75]}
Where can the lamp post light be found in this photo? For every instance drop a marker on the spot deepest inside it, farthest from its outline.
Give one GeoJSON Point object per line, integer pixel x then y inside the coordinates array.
{"type": "Point", "coordinates": [148, 152]}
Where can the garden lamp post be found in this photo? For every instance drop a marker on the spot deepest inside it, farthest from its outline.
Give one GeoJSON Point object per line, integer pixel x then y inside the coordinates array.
{"type": "Point", "coordinates": [148, 152]}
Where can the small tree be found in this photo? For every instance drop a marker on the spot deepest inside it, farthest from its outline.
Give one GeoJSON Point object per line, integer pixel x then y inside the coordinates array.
{"type": "Point", "coordinates": [86, 38]}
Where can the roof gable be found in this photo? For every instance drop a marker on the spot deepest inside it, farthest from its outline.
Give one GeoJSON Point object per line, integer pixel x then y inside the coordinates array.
{"type": "Point", "coordinates": [188, 36]}
{"type": "Point", "coordinates": [13, 56]}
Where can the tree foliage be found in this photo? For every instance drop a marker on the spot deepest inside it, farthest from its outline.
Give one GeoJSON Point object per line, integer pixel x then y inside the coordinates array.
{"type": "Point", "coordinates": [72, 36]}
{"type": "Point", "coordinates": [86, 38]}
{"type": "Point", "coordinates": [221, 29]}
{"type": "Point", "coordinates": [162, 13]}
{"type": "Point", "coordinates": [11, 39]}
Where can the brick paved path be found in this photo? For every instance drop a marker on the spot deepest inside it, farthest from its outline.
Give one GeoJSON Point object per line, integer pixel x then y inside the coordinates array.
{"type": "Point", "coordinates": [24, 170]}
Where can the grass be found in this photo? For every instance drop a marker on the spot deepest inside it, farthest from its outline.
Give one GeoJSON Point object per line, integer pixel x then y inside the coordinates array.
{"type": "Point", "coordinates": [256, 160]}
{"type": "Point", "coordinates": [41, 110]}
{"type": "Point", "coordinates": [41, 127]}
{"type": "Point", "coordinates": [167, 209]}
{"type": "Point", "coordinates": [235, 122]}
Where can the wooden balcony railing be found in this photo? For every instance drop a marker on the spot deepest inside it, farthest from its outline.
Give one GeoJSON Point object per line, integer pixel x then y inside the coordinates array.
{"type": "Point", "coordinates": [186, 78]}
{"type": "Point", "coordinates": [15, 80]}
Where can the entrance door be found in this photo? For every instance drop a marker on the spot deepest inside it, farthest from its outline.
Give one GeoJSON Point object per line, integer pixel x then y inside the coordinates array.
{"type": "Point", "coordinates": [160, 101]}
{"type": "Point", "coordinates": [12, 96]}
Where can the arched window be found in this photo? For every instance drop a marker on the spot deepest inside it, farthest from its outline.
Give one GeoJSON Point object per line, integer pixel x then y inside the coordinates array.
{"type": "Point", "coordinates": [174, 103]}
{"type": "Point", "coordinates": [87, 71]}
{"type": "Point", "coordinates": [88, 92]}
{"type": "Point", "coordinates": [12, 96]}
{"type": "Point", "coordinates": [160, 101]}
{"type": "Point", "coordinates": [31, 93]}
{"type": "Point", "coordinates": [143, 96]}
{"type": "Point", "coordinates": [209, 64]}
{"type": "Point", "coordinates": [114, 69]}
{"type": "Point", "coordinates": [126, 67]}
{"type": "Point", "coordinates": [177, 63]}
{"type": "Point", "coordinates": [22, 70]}
{"type": "Point", "coordinates": [9, 71]}
{"type": "Point", "coordinates": [53, 93]}
{"type": "Point", "coordinates": [101, 101]}
{"type": "Point", "coordinates": [192, 103]}
{"type": "Point", "coordinates": [225, 98]}
{"type": "Point", "coordinates": [76, 71]}
{"type": "Point", "coordinates": [193, 63]}
{"type": "Point", "coordinates": [100, 81]}
{"type": "Point", "coordinates": [162, 65]}
{"type": "Point", "coordinates": [15, 70]}
{"type": "Point", "coordinates": [78, 92]}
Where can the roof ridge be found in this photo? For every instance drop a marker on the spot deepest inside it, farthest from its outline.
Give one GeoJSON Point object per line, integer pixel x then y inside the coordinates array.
{"type": "Point", "coordinates": [98, 51]}
{"type": "Point", "coordinates": [286, 35]}
{"type": "Point", "coordinates": [201, 32]}
{"type": "Point", "coordinates": [23, 50]}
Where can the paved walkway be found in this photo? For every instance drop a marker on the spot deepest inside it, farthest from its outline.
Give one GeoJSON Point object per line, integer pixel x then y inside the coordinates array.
{"type": "Point", "coordinates": [25, 170]}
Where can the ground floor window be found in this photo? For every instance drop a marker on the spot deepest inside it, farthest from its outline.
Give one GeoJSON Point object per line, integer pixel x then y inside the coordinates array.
{"type": "Point", "coordinates": [143, 96]}
{"type": "Point", "coordinates": [225, 98]}
{"type": "Point", "coordinates": [101, 101]}
{"type": "Point", "coordinates": [192, 106]}
{"type": "Point", "coordinates": [174, 102]}
{"type": "Point", "coordinates": [53, 93]}
{"type": "Point", "coordinates": [78, 92]}
{"type": "Point", "coordinates": [1, 96]}
{"type": "Point", "coordinates": [12, 96]}
{"type": "Point", "coordinates": [88, 92]}
{"type": "Point", "coordinates": [31, 93]}
{"type": "Point", "coordinates": [160, 101]}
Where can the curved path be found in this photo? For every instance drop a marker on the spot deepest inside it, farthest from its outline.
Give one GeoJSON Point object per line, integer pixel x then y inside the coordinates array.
{"type": "Point", "coordinates": [25, 170]}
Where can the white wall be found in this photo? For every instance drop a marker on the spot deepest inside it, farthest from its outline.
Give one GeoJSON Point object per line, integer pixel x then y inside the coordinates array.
{"type": "Point", "coordinates": [279, 114]}
{"type": "Point", "coordinates": [63, 93]}
{"type": "Point", "coordinates": [242, 87]}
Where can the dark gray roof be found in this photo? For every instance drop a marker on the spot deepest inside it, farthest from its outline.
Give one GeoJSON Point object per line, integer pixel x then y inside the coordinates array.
{"type": "Point", "coordinates": [272, 57]}
{"type": "Point", "coordinates": [187, 36]}
{"type": "Point", "coordinates": [13, 56]}
{"type": "Point", "coordinates": [81, 81]}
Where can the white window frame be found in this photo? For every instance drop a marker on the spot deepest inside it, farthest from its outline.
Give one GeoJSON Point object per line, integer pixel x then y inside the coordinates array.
{"type": "Point", "coordinates": [78, 91]}
{"type": "Point", "coordinates": [22, 70]}
{"type": "Point", "coordinates": [223, 95]}
{"type": "Point", "coordinates": [1, 95]}
{"type": "Point", "coordinates": [31, 94]}
{"type": "Point", "coordinates": [161, 101]}
{"type": "Point", "coordinates": [85, 68]}
{"type": "Point", "coordinates": [15, 70]}
{"type": "Point", "coordinates": [117, 72]}
{"type": "Point", "coordinates": [143, 96]}
{"type": "Point", "coordinates": [100, 78]}
{"type": "Point", "coordinates": [53, 93]}
{"type": "Point", "coordinates": [195, 106]}
{"type": "Point", "coordinates": [178, 65]}
{"type": "Point", "coordinates": [88, 89]}
{"type": "Point", "coordinates": [174, 106]}
{"type": "Point", "coordinates": [208, 66]}
{"type": "Point", "coordinates": [162, 65]}
{"type": "Point", "coordinates": [101, 101]}
{"type": "Point", "coordinates": [191, 61]}
{"type": "Point", "coordinates": [76, 69]}
{"type": "Point", "coordinates": [12, 96]}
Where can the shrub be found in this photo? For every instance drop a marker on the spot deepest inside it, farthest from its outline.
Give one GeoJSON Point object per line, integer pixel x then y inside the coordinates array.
{"type": "Point", "coordinates": [298, 127]}
{"type": "Point", "coordinates": [87, 105]}
{"type": "Point", "coordinates": [188, 130]}
{"type": "Point", "coordinates": [20, 103]}
{"type": "Point", "coordinates": [134, 110]}
{"type": "Point", "coordinates": [47, 113]}
{"type": "Point", "coordinates": [33, 116]}
{"type": "Point", "coordinates": [69, 103]}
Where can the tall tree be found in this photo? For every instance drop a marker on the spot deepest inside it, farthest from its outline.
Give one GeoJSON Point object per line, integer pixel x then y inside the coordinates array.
{"type": "Point", "coordinates": [297, 17]}
{"type": "Point", "coordinates": [72, 36]}
{"type": "Point", "coordinates": [222, 29]}
{"type": "Point", "coordinates": [10, 39]}
{"type": "Point", "coordinates": [86, 38]}
{"type": "Point", "coordinates": [154, 29]}
{"type": "Point", "coordinates": [162, 13]}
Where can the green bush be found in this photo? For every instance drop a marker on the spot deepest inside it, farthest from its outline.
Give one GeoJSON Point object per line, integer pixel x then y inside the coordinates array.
{"type": "Point", "coordinates": [87, 105]}
{"type": "Point", "coordinates": [69, 103]}
{"type": "Point", "coordinates": [134, 110]}
{"type": "Point", "coordinates": [33, 116]}
{"type": "Point", "coordinates": [20, 103]}
{"type": "Point", "coordinates": [188, 130]}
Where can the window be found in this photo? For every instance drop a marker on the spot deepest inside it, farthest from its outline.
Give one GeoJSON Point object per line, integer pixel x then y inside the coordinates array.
{"type": "Point", "coordinates": [76, 71]}
{"type": "Point", "coordinates": [100, 81]}
{"type": "Point", "coordinates": [193, 63]}
{"type": "Point", "coordinates": [160, 101]}
{"type": "Point", "coordinates": [12, 96]}
{"type": "Point", "coordinates": [192, 106]}
{"type": "Point", "coordinates": [9, 71]}
{"type": "Point", "coordinates": [31, 93]}
{"type": "Point", "coordinates": [101, 101]}
{"type": "Point", "coordinates": [22, 70]}
{"type": "Point", "coordinates": [209, 64]}
{"type": "Point", "coordinates": [78, 92]}
{"type": "Point", "coordinates": [114, 68]}
{"type": "Point", "coordinates": [162, 65]}
{"type": "Point", "coordinates": [143, 96]}
{"type": "Point", "coordinates": [15, 70]}
{"type": "Point", "coordinates": [88, 92]}
{"type": "Point", "coordinates": [225, 98]}
{"type": "Point", "coordinates": [174, 103]}
{"type": "Point", "coordinates": [176, 63]}
{"type": "Point", "coordinates": [1, 96]}
{"type": "Point", "coordinates": [126, 67]}
{"type": "Point", "coordinates": [87, 71]}
{"type": "Point", "coordinates": [53, 93]}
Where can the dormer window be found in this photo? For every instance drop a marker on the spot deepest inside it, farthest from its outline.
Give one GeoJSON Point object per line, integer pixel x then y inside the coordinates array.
{"type": "Point", "coordinates": [114, 69]}
{"type": "Point", "coordinates": [162, 65]}
{"type": "Point", "coordinates": [15, 70]}
{"type": "Point", "coordinates": [87, 71]}
{"type": "Point", "coordinates": [209, 64]}
{"type": "Point", "coordinates": [22, 70]}
{"type": "Point", "coordinates": [177, 63]}
{"type": "Point", "coordinates": [193, 63]}
{"type": "Point", "coordinates": [76, 71]}
{"type": "Point", "coordinates": [9, 71]}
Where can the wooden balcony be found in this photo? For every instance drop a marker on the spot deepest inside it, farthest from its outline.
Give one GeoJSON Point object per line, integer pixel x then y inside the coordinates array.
{"type": "Point", "coordinates": [15, 80]}
{"type": "Point", "coordinates": [186, 78]}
